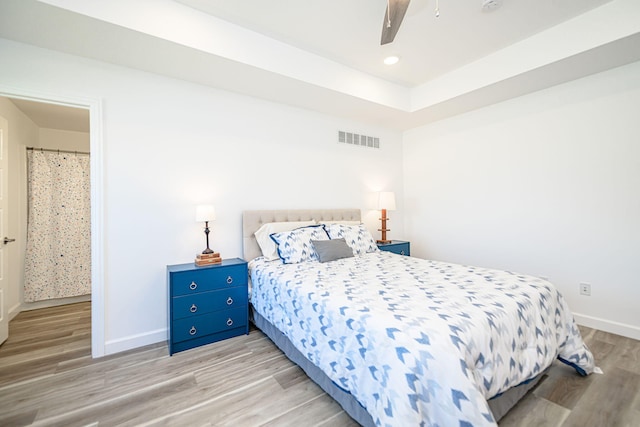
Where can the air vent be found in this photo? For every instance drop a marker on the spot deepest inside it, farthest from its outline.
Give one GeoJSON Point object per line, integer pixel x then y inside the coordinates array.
{"type": "Point", "coordinates": [357, 139]}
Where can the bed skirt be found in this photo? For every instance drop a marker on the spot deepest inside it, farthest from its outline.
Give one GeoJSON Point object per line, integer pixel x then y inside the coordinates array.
{"type": "Point", "coordinates": [499, 405]}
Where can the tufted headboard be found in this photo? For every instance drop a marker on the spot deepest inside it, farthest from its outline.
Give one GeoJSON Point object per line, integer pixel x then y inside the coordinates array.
{"type": "Point", "coordinates": [253, 220]}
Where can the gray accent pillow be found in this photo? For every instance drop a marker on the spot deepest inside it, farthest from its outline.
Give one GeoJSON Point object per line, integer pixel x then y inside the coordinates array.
{"type": "Point", "coordinates": [330, 250]}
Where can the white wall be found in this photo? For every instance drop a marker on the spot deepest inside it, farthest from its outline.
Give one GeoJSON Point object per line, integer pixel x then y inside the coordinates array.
{"type": "Point", "coordinates": [547, 184]}
{"type": "Point", "coordinates": [169, 145]}
{"type": "Point", "coordinates": [63, 140]}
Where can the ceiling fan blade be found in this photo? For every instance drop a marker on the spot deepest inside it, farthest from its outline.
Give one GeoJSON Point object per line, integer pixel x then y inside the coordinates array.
{"type": "Point", "coordinates": [393, 19]}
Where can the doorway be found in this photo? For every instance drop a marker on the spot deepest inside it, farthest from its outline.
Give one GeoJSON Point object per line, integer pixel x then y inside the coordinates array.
{"type": "Point", "coordinates": [96, 171]}
{"type": "Point", "coordinates": [58, 248]}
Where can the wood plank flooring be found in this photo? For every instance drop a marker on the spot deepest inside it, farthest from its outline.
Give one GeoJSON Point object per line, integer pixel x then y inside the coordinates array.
{"type": "Point", "coordinates": [47, 377]}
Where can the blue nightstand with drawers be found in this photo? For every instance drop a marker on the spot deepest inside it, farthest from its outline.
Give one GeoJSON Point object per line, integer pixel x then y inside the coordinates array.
{"type": "Point", "coordinates": [207, 304]}
{"type": "Point", "coordinates": [399, 247]}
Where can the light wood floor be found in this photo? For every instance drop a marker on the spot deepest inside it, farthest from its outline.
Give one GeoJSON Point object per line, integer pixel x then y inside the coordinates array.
{"type": "Point", "coordinates": [47, 377]}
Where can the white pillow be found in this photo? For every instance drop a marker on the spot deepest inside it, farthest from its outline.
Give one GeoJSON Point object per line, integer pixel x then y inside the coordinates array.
{"type": "Point", "coordinates": [297, 245]}
{"type": "Point", "coordinates": [340, 222]}
{"type": "Point", "coordinates": [268, 246]}
{"type": "Point", "coordinates": [356, 236]}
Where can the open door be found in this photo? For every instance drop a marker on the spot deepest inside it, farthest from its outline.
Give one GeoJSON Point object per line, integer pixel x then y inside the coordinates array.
{"type": "Point", "coordinates": [4, 259]}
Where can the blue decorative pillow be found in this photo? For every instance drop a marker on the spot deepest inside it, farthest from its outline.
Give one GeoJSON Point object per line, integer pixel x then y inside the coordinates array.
{"type": "Point", "coordinates": [295, 246]}
{"type": "Point", "coordinates": [356, 236]}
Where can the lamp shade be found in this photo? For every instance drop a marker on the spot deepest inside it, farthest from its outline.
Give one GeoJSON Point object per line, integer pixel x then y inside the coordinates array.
{"type": "Point", "coordinates": [205, 213]}
{"type": "Point", "coordinates": [387, 200]}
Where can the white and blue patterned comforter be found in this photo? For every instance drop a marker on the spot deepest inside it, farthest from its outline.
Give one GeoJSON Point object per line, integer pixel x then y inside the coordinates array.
{"type": "Point", "coordinates": [419, 342]}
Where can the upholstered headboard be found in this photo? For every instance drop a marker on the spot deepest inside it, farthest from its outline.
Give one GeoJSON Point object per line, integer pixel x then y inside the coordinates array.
{"type": "Point", "coordinates": [253, 220]}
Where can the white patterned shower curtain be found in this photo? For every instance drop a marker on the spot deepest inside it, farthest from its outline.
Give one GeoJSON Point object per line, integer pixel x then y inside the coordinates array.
{"type": "Point", "coordinates": [58, 258]}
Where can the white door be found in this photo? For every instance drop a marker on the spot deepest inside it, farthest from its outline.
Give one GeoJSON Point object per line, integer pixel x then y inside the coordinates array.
{"type": "Point", "coordinates": [4, 240]}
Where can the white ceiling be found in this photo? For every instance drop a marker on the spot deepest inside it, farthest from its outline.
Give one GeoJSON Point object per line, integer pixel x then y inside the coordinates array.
{"type": "Point", "coordinates": [53, 116]}
{"type": "Point", "coordinates": [326, 55]}
{"type": "Point", "coordinates": [348, 31]}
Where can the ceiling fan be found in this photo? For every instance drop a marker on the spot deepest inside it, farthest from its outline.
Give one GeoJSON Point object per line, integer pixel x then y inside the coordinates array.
{"type": "Point", "coordinates": [396, 9]}
{"type": "Point", "coordinates": [393, 17]}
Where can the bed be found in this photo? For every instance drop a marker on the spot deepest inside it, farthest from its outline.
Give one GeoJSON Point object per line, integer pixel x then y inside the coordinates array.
{"type": "Point", "coordinates": [400, 340]}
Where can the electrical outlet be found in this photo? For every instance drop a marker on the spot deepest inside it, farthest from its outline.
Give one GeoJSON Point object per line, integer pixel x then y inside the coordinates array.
{"type": "Point", "coordinates": [585, 289]}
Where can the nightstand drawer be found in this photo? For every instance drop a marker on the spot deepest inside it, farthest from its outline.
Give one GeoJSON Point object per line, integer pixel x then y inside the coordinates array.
{"type": "Point", "coordinates": [399, 247]}
{"type": "Point", "coordinates": [208, 279]}
{"type": "Point", "coordinates": [205, 302]}
{"type": "Point", "coordinates": [206, 324]}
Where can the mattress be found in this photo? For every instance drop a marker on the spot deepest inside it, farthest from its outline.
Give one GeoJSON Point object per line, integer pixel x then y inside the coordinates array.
{"type": "Point", "coordinates": [417, 341]}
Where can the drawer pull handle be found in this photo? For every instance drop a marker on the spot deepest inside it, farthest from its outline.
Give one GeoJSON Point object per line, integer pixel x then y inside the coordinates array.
{"type": "Point", "coordinates": [192, 331]}
{"type": "Point", "coordinates": [229, 280]}
{"type": "Point", "coordinates": [193, 286]}
{"type": "Point", "coordinates": [193, 308]}
{"type": "Point", "coordinates": [229, 322]}
{"type": "Point", "coordinates": [229, 301]}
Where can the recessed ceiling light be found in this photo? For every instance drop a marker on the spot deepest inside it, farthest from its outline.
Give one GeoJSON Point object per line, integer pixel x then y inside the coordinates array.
{"type": "Point", "coordinates": [390, 60]}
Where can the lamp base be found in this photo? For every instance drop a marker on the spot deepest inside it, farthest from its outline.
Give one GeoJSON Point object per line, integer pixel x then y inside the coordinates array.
{"type": "Point", "coordinates": [207, 251]}
{"type": "Point", "coordinates": [383, 229]}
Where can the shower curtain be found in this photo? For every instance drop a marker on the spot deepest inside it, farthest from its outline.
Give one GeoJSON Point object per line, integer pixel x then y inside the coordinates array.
{"type": "Point", "coordinates": [58, 257]}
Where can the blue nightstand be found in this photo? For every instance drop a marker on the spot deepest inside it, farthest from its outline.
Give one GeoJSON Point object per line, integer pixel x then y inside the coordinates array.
{"type": "Point", "coordinates": [399, 247]}
{"type": "Point", "coordinates": [207, 304]}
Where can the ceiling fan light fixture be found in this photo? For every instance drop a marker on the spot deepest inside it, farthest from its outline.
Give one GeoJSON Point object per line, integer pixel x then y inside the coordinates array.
{"type": "Point", "coordinates": [491, 5]}
{"type": "Point", "coordinates": [391, 60]}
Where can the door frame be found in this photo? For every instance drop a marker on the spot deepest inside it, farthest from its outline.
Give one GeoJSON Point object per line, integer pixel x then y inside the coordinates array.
{"type": "Point", "coordinates": [94, 105]}
{"type": "Point", "coordinates": [4, 232]}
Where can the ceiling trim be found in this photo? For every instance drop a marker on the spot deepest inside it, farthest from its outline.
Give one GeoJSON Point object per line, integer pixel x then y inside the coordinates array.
{"type": "Point", "coordinates": [234, 58]}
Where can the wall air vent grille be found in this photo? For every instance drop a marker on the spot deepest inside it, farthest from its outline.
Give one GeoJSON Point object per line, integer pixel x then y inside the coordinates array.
{"type": "Point", "coordinates": [357, 139]}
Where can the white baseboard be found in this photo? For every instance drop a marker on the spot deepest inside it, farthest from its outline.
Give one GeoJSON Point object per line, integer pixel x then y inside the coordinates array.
{"type": "Point", "coordinates": [610, 326]}
{"type": "Point", "coordinates": [135, 341]}
{"type": "Point", "coordinates": [27, 306]}
{"type": "Point", "coordinates": [14, 311]}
